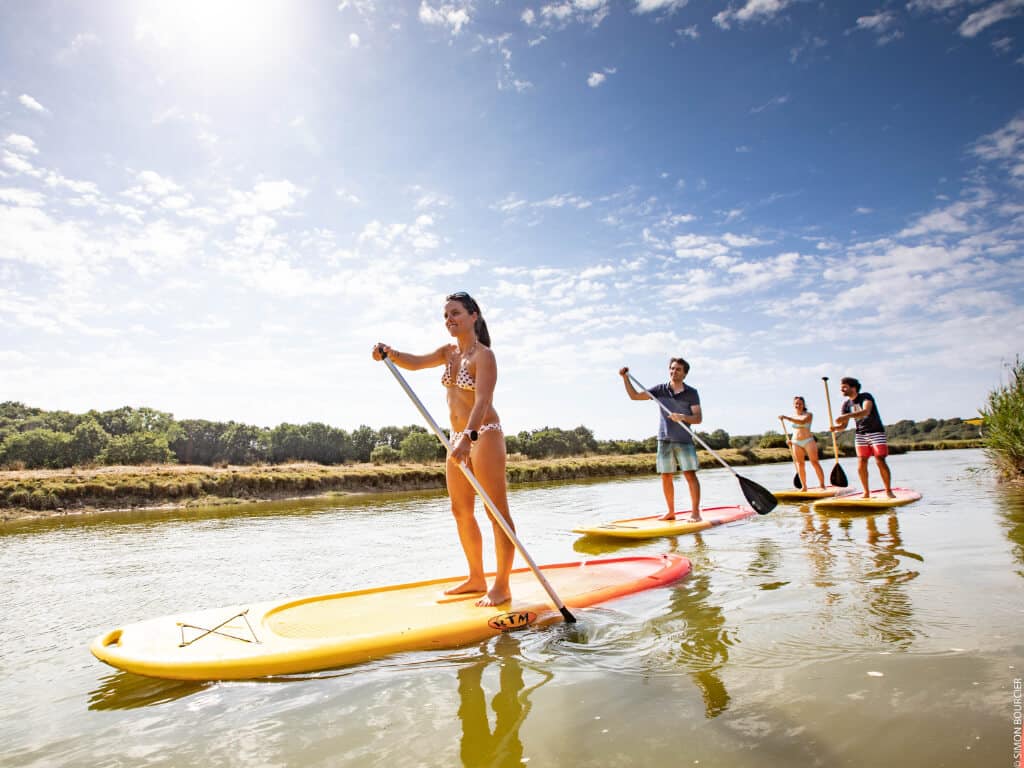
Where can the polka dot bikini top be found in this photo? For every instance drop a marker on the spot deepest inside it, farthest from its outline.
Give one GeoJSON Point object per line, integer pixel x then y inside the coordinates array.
{"type": "Point", "coordinates": [463, 379]}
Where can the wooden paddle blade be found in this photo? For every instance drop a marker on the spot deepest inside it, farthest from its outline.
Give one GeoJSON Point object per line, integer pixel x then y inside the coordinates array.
{"type": "Point", "coordinates": [796, 482]}
{"type": "Point", "coordinates": [838, 477]}
{"type": "Point", "coordinates": [760, 498]}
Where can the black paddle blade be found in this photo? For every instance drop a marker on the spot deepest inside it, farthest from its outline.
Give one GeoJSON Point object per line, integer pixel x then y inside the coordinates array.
{"type": "Point", "coordinates": [838, 477]}
{"type": "Point", "coordinates": [760, 498]}
{"type": "Point", "coordinates": [796, 482]}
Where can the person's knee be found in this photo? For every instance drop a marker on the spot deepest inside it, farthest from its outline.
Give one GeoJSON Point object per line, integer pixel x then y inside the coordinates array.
{"type": "Point", "coordinates": [462, 509]}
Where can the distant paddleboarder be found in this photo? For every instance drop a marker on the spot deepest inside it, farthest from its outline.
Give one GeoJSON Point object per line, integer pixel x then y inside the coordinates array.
{"type": "Point", "coordinates": [870, 436]}
{"type": "Point", "coordinates": [676, 451]}
{"type": "Point", "coordinates": [470, 373]}
{"type": "Point", "coordinates": [803, 442]}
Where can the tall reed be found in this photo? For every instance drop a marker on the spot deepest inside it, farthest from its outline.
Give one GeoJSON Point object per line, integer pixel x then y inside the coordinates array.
{"type": "Point", "coordinates": [1003, 429]}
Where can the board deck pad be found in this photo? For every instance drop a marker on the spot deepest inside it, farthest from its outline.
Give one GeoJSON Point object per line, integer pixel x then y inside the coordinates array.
{"type": "Point", "coordinates": [813, 494]}
{"type": "Point", "coordinates": [854, 500]}
{"type": "Point", "coordinates": [653, 527]}
{"type": "Point", "coordinates": [326, 631]}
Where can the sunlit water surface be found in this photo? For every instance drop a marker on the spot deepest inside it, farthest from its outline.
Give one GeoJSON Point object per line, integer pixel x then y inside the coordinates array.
{"type": "Point", "coordinates": [799, 639]}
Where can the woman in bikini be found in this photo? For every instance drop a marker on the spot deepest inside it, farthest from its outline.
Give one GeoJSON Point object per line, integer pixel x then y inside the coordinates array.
{"type": "Point", "coordinates": [469, 376]}
{"type": "Point", "coordinates": [803, 442]}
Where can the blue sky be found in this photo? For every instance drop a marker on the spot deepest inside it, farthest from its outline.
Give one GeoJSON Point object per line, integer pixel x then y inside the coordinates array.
{"type": "Point", "coordinates": [216, 208]}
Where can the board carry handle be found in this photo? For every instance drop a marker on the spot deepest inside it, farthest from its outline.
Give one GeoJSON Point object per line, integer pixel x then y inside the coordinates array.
{"type": "Point", "coordinates": [760, 498]}
{"type": "Point", "coordinates": [489, 505]}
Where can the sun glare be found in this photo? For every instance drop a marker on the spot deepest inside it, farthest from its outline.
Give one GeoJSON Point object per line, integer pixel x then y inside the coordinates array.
{"type": "Point", "coordinates": [218, 34]}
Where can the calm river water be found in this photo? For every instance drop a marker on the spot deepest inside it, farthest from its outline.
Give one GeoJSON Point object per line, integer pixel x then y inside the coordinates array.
{"type": "Point", "coordinates": [800, 638]}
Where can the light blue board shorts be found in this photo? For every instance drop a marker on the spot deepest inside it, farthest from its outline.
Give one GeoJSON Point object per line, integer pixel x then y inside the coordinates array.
{"type": "Point", "coordinates": [676, 457]}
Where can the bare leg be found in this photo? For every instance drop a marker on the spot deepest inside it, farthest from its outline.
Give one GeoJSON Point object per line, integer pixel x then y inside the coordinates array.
{"type": "Point", "coordinates": [489, 467]}
{"type": "Point", "coordinates": [862, 472]}
{"type": "Point", "coordinates": [883, 470]}
{"type": "Point", "coordinates": [812, 454]}
{"type": "Point", "coordinates": [801, 467]}
{"type": "Point", "coordinates": [694, 483]}
{"type": "Point", "coordinates": [668, 486]}
{"type": "Point", "coordinates": [462, 496]}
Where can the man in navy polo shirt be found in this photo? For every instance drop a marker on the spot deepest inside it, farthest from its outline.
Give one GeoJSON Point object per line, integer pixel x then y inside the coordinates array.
{"type": "Point", "coordinates": [676, 451]}
{"type": "Point", "coordinates": [869, 439]}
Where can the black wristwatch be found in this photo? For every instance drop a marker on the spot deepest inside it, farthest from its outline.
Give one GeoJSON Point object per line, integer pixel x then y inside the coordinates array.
{"type": "Point", "coordinates": [474, 435]}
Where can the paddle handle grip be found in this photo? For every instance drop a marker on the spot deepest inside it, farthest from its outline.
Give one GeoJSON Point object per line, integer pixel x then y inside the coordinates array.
{"type": "Point", "coordinates": [693, 434]}
{"type": "Point", "coordinates": [489, 505]}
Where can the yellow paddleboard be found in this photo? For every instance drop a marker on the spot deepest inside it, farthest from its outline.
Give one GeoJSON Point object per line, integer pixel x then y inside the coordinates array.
{"type": "Point", "coordinates": [811, 495]}
{"type": "Point", "coordinates": [654, 527]}
{"type": "Point", "coordinates": [327, 631]}
{"type": "Point", "coordinates": [855, 502]}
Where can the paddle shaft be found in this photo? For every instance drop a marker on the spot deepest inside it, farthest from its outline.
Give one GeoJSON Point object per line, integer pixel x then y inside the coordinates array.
{"type": "Point", "coordinates": [760, 498]}
{"type": "Point", "coordinates": [828, 402]}
{"type": "Point", "coordinates": [685, 426]}
{"type": "Point", "coordinates": [492, 510]}
{"type": "Point", "coordinates": [792, 451]}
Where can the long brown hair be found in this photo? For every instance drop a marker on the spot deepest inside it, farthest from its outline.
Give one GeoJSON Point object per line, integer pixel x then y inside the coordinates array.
{"type": "Point", "coordinates": [470, 305]}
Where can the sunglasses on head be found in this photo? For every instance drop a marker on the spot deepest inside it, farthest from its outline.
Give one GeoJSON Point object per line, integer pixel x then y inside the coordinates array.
{"type": "Point", "coordinates": [462, 296]}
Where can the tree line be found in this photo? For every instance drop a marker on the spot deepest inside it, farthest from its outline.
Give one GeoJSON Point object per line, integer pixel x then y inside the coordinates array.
{"type": "Point", "coordinates": [35, 438]}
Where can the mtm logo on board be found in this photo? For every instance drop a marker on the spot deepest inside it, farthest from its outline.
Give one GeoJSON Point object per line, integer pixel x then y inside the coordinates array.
{"type": "Point", "coordinates": [506, 622]}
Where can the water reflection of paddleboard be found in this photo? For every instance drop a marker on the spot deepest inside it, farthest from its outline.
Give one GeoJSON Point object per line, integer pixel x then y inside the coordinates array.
{"type": "Point", "coordinates": [327, 631]}
{"type": "Point", "coordinates": [855, 502]}
{"type": "Point", "coordinates": [653, 527]}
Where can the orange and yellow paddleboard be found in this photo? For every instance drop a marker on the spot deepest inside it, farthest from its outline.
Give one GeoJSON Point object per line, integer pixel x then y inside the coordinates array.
{"type": "Point", "coordinates": [312, 633]}
{"type": "Point", "coordinates": [854, 501]}
{"type": "Point", "coordinates": [800, 495]}
{"type": "Point", "coordinates": [654, 527]}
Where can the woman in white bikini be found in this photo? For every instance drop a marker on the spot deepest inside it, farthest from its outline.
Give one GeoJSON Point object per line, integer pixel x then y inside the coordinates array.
{"type": "Point", "coordinates": [803, 442]}
{"type": "Point", "coordinates": [469, 376]}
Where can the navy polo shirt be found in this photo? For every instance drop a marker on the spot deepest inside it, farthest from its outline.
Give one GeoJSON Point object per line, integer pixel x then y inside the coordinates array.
{"type": "Point", "coordinates": [873, 423]}
{"type": "Point", "coordinates": [677, 402]}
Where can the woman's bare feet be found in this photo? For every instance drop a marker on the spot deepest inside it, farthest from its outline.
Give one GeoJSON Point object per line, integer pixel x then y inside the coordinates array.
{"type": "Point", "coordinates": [668, 516]}
{"type": "Point", "coordinates": [468, 587]}
{"type": "Point", "coordinates": [495, 597]}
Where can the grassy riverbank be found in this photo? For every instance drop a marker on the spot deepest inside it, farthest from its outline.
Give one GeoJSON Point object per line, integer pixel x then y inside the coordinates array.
{"type": "Point", "coordinates": [47, 492]}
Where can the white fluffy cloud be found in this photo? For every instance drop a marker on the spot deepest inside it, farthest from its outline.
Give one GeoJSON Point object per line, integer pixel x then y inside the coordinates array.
{"type": "Point", "coordinates": [454, 16]}
{"type": "Point", "coordinates": [29, 103]}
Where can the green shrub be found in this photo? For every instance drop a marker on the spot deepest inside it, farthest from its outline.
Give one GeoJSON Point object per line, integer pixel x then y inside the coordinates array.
{"type": "Point", "coordinates": [772, 440]}
{"type": "Point", "coordinates": [420, 447]}
{"type": "Point", "coordinates": [37, 448]}
{"type": "Point", "coordinates": [137, 448]}
{"type": "Point", "coordinates": [87, 442]}
{"type": "Point", "coordinates": [385, 454]}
